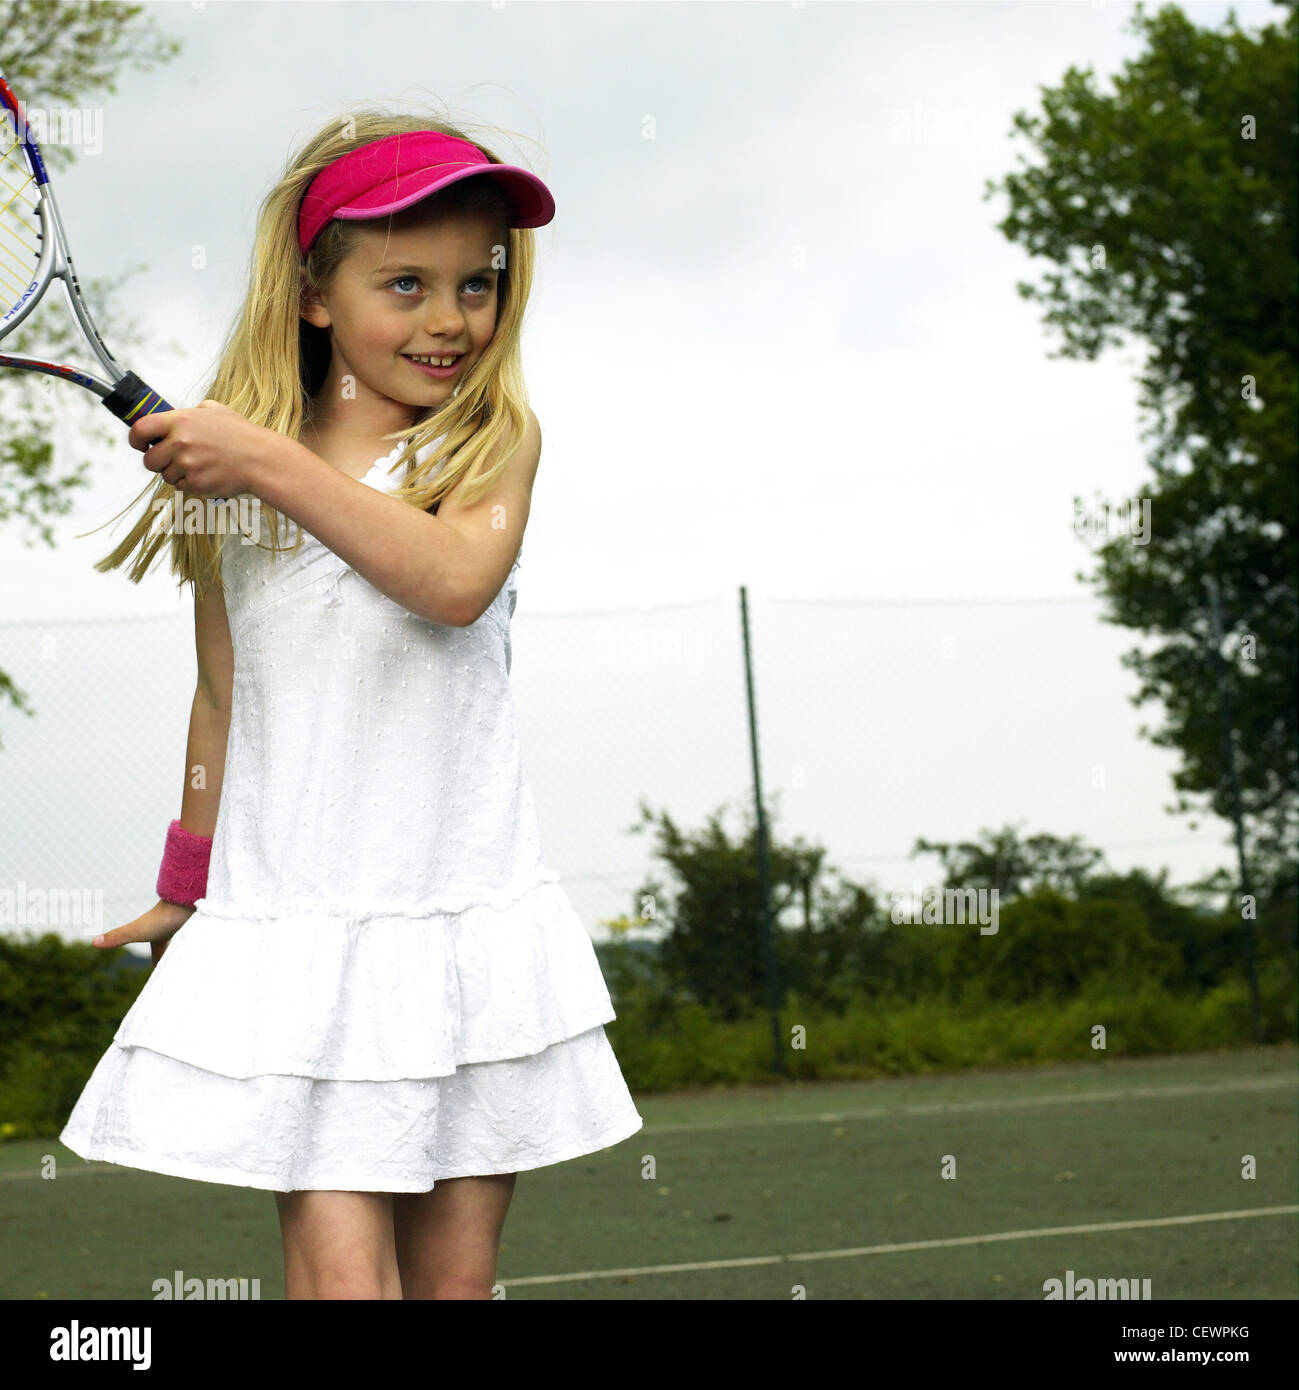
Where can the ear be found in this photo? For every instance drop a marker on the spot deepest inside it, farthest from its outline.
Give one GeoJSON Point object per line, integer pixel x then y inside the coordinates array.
{"type": "Point", "coordinates": [311, 308]}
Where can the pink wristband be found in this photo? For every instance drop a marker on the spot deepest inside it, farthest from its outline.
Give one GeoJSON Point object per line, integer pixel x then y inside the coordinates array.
{"type": "Point", "coordinates": [183, 876]}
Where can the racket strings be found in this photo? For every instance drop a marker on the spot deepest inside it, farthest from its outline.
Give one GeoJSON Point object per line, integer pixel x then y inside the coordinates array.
{"type": "Point", "coordinates": [20, 224]}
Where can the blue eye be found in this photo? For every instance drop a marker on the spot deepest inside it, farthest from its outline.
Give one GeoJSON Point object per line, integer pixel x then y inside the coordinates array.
{"type": "Point", "coordinates": [414, 280]}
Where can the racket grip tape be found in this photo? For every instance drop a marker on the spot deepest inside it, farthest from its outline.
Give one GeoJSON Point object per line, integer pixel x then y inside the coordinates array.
{"type": "Point", "coordinates": [131, 399]}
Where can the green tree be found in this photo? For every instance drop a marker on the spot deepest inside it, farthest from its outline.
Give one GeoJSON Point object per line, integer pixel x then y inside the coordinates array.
{"type": "Point", "coordinates": [1012, 866]}
{"type": "Point", "coordinates": [1171, 207]}
{"type": "Point", "coordinates": [57, 54]}
{"type": "Point", "coordinates": [1207, 938]}
{"type": "Point", "coordinates": [713, 951]}
{"type": "Point", "coordinates": [1047, 947]}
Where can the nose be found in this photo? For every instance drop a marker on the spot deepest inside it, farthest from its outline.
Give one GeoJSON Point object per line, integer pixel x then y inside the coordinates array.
{"type": "Point", "coordinates": [443, 316]}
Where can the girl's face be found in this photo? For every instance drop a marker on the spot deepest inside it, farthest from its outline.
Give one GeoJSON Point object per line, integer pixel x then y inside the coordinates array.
{"type": "Point", "coordinates": [418, 290]}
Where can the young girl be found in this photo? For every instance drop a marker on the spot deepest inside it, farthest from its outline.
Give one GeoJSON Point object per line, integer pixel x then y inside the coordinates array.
{"type": "Point", "coordinates": [378, 1003]}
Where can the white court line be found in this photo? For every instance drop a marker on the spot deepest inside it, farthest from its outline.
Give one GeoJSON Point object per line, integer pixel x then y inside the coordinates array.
{"type": "Point", "coordinates": [834, 1116]}
{"type": "Point", "coordinates": [885, 1112]}
{"type": "Point", "coordinates": [861, 1250]}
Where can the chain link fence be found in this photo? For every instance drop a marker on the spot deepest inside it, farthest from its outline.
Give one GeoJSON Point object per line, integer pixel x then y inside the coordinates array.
{"type": "Point", "coordinates": [878, 722]}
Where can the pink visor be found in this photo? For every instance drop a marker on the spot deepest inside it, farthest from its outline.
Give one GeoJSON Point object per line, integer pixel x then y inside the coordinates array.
{"type": "Point", "coordinates": [390, 174]}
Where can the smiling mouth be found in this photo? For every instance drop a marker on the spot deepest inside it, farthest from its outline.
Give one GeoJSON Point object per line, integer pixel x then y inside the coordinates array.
{"type": "Point", "coordinates": [434, 372]}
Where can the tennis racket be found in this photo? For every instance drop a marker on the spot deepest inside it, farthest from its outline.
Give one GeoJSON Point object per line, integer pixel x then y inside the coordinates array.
{"type": "Point", "coordinates": [34, 253]}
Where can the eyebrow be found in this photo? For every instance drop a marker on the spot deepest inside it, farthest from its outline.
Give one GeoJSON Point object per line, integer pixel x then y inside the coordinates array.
{"type": "Point", "coordinates": [423, 270]}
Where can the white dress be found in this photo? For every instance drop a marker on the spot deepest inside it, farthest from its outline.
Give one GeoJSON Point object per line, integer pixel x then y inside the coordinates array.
{"type": "Point", "coordinates": [384, 985]}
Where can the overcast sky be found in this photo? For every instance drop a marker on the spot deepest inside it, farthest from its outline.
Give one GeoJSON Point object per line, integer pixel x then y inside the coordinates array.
{"type": "Point", "coordinates": [774, 340]}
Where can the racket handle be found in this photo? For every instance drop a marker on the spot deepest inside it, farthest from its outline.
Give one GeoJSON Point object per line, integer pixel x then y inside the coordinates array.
{"type": "Point", "coordinates": [131, 399]}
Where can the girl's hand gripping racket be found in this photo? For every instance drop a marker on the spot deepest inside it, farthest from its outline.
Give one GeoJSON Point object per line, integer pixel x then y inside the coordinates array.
{"type": "Point", "coordinates": [34, 253]}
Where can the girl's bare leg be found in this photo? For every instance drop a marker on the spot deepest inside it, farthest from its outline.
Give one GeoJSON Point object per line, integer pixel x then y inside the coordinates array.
{"type": "Point", "coordinates": [447, 1240]}
{"type": "Point", "coordinates": [338, 1245]}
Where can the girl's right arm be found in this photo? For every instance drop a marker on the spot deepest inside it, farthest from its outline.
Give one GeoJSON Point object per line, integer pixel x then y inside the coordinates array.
{"type": "Point", "coordinates": [205, 759]}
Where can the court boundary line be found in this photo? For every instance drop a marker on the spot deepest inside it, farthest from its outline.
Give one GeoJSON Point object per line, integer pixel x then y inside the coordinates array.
{"type": "Point", "coordinates": [995, 1103]}
{"type": "Point", "coordinates": [857, 1252]}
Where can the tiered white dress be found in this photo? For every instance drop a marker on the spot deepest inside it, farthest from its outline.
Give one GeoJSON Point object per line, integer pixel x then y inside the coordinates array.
{"type": "Point", "coordinates": [384, 985]}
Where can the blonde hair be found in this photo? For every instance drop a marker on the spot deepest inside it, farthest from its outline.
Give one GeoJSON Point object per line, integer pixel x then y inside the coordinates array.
{"type": "Point", "coordinates": [273, 361]}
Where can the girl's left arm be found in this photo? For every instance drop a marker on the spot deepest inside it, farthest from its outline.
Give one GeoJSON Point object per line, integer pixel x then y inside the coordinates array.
{"type": "Point", "coordinates": [446, 568]}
